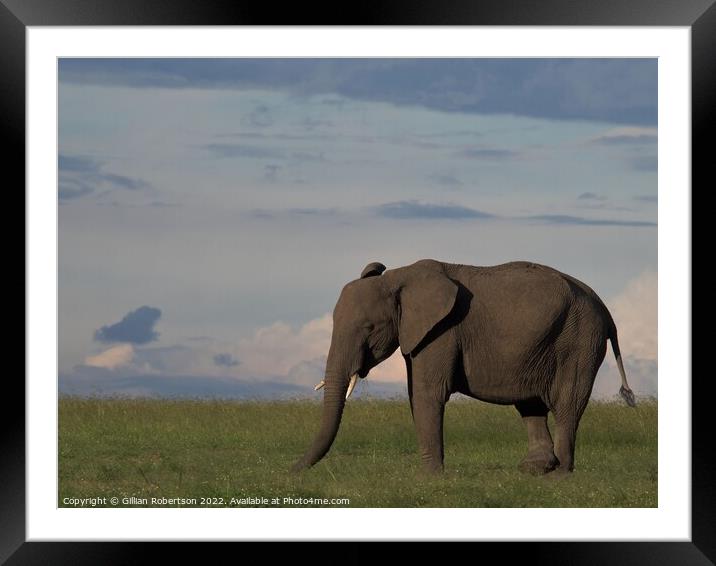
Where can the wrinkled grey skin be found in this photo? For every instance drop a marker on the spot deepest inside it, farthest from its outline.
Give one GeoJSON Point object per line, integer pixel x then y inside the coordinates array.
{"type": "Point", "coordinates": [518, 334]}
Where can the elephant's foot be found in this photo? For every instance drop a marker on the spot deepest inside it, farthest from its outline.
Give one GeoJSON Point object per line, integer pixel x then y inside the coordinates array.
{"type": "Point", "coordinates": [433, 470]}
{"type": "Point", "coordinates": [560, 473]}
{"type": "Point", "coordinates": [432, 467]}
{"type": "Point", "coordinates": [538, 464]}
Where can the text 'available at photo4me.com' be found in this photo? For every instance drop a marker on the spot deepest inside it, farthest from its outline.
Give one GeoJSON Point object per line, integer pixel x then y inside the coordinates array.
{"type": "Point", "coordinates": [260, 501]}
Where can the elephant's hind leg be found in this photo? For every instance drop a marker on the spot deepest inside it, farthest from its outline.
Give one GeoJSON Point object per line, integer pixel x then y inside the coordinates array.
{"type": "Point", "coordinates": [570, 396]}
{"type": "Point", "coordinates": [540, 458]}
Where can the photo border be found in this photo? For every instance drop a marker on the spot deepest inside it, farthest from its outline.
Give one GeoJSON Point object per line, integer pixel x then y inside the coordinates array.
{"type": "Point", "coordinates": [700, 15]}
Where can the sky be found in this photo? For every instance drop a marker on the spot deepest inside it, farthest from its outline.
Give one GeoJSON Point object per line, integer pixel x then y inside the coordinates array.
{"type": "Point", "coordinates": [211, 210]}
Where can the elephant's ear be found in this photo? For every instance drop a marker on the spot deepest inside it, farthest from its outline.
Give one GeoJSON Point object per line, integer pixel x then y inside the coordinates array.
{"type": "Point", "coordinates": [372, 269]}
{"type": "Point", "coordinates": [426, 297]}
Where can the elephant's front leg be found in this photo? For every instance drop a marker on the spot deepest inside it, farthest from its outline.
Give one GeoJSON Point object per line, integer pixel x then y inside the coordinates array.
{"type": "Point", "coordinates": [428, 409]}
{"type": "Point", "coordinates": [540, 457]}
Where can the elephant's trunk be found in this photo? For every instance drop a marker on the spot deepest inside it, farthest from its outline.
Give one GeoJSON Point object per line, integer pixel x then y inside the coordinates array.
{"type": "Point", "coordinates": [334, 399]}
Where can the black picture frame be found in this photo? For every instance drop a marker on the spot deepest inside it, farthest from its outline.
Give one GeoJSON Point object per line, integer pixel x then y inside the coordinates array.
{"type": "Point", "coordinates": [699, 15]}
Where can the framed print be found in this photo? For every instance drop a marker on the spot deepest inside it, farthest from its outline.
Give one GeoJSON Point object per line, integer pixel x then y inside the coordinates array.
{"type": "Point", "coordinates": [197, 197]}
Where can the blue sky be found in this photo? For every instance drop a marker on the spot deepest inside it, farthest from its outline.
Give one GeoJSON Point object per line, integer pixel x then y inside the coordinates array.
{"type": "Point", "coordinates": [211, 210]}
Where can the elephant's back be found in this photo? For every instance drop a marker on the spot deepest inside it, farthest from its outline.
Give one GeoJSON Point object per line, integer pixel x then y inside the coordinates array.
{"type": "Point", "coordinates": [515, 307]}
{"type": "Point", "coordinates": [519, 285]}
{"type": "Point", "coordinates": [549, 283]}
{"type": "Point", "coordinates": [524, 279]}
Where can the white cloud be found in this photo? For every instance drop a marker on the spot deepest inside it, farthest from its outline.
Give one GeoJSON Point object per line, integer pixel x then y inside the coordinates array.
{"type": "Point", "coordinates": [308, 372]}
{"type": "Point", "coordinates": [392, 369]}
{"type": "Point", "coordinates": [635, 313]}
{"type": "Point", "coordinates": [299, 355]}
{"type": "Point", "coordinates": [275, 350]}
{"type": "Point", "coordinates": [642, 376]}
{"type": "Point", "coordinates": [112, 358]}
{"type": "Point", "coordinates": [174, 360]}
{"type": "Point", "coordinates": [164, 360]}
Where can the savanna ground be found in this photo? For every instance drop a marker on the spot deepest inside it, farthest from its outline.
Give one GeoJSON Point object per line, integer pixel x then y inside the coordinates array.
{"type": "Point", "coordinates": [147, 448]}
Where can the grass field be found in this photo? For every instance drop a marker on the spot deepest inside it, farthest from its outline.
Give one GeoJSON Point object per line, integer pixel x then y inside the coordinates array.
{"type": "Point", "coordinates": [230, 451]}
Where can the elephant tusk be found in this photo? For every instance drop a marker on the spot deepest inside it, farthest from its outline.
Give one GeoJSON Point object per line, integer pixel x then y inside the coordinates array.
{"type": "Point", "coordinates": [352, 385]}
{"type": "Point", "coordinates": [320, 385]}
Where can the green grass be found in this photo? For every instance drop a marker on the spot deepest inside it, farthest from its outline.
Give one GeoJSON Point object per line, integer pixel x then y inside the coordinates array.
{"type": "Point", "coordinates": [226, 449]}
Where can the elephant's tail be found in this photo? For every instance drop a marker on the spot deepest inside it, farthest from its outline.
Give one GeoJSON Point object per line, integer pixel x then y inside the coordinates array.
{"type": "Point", "coordinates": [625, 391]}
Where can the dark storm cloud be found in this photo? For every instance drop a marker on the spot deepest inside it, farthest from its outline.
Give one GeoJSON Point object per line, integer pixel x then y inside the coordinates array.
{"type": "Point", "coordinates": [137, 327]}
{"type": "Point", "coordinates": [564, 219]}
{"type": "Point", "coordinates": [611, 90]}
{"type": "Point", "coordinates": [646, 163]}
{"type": "Point", "coordinates": [413, 209]}
{"type": "Point", "coordinates": [225, 360]}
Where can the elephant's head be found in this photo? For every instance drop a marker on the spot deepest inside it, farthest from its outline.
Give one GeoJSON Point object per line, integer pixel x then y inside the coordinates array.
{"type": "Point", "coordinates": [373, 316]}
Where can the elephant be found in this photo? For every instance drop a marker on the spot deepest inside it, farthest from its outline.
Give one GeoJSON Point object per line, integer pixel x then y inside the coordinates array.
{"type": "Point", "coordinates": [519, 333]}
